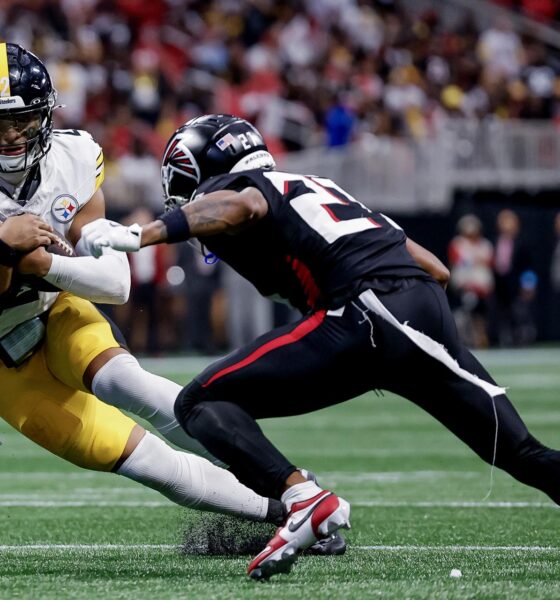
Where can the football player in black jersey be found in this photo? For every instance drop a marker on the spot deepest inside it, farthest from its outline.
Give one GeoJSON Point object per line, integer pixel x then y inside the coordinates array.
{"type": "Point", "coordinates": [375, 315]}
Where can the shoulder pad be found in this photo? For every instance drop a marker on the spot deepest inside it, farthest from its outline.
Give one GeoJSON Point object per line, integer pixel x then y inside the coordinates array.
{"type": "Point", "coordinates": [85, 156]}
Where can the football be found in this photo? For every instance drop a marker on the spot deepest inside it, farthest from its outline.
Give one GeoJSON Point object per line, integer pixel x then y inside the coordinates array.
{"type": "Point", "coordinates": [61, 246]}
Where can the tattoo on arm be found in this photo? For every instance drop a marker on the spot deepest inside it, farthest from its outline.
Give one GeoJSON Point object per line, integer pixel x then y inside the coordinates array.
{"type": "Point", "coordinates": [224, 211]}
{"type": "Point", "coordinates": [216, 216]}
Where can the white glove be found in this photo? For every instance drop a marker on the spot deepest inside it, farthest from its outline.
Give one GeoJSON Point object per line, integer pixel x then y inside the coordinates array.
{"type": "Point", "coordinates": [89, 234]}
{"type": "Point", "coordinates": [103, 233]}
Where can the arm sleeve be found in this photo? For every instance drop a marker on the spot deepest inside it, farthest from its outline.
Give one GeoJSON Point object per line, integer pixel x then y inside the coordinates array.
{"type": "Point", "coordinates": [105, 279]}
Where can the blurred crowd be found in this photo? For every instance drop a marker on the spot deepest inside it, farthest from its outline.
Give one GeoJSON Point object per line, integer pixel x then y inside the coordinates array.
{"type": "Point", "coordinates": [307, 73]}
{"type": "Point", "coordinates": [546, 11]}
{"type": "Point", "coordinates": [494, 285]}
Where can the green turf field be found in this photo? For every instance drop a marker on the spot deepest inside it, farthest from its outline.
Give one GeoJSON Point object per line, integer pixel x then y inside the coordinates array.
{"type": "Point", "coordinates": [418, 511]}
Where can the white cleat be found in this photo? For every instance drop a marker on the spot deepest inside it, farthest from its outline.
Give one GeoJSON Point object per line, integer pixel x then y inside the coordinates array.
{"type": "Point", "coordinates": [307, 522]}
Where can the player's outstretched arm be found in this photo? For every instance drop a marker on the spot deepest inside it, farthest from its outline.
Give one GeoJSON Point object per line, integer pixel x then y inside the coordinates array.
{"type": "Point", "coordinates": [106, 280]}
{"type": "Point", "coordinates": [224, 211]}
{"type": "Point", "coordinates": [429, 262]}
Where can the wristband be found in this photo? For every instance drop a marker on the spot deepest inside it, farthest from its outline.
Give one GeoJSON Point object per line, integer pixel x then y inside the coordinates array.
{"type": "Point", "coordinates": [8, 256]}
{"type": "Point", "coordinates": [178, 229]}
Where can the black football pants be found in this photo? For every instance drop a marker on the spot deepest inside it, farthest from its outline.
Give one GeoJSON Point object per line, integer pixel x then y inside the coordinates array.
{"type": "Point", "coordinates": [327, 358]}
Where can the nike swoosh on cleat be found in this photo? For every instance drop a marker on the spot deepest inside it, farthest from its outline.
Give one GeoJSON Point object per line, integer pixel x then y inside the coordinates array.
{"type": "Point", "coordinates": [295, 526]}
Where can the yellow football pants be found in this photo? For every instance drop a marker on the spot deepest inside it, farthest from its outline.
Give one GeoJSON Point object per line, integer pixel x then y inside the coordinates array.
{"type": "Point", "coordinates": [46, 400]}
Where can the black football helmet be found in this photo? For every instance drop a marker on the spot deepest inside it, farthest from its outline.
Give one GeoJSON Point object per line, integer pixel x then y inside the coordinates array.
{"type": "Point", "coordinates": [208, 146]}
{"type": "Point", "coordinates": [27, 100]}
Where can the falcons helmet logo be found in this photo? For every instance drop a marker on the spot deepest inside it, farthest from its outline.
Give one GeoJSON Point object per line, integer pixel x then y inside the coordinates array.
{"type": "Point", "coordinates": [178, 160]}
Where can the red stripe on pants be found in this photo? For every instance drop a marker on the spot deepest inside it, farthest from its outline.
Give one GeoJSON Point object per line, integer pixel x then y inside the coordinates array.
{"type": "Point", "coordinates": [297, 334]}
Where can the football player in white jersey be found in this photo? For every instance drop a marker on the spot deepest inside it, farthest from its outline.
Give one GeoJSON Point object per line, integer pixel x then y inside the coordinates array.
{"type": "Point", "coordinates": [59, 356]}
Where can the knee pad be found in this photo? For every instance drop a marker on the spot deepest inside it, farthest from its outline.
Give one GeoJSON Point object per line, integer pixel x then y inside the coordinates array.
{"type": "Point", "coordinates": [191, 395]}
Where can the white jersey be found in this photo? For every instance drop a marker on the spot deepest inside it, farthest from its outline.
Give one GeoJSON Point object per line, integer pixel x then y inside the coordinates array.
{"type": "Point", "coordinates": [71, 172]}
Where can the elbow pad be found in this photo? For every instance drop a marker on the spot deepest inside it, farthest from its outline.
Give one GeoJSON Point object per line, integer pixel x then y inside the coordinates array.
{"type": "Point", "coordinates": [105, 280]}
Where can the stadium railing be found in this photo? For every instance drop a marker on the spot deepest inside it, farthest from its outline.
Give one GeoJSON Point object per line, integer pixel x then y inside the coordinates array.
{"type": "Point", "coordinates": [406, 175]}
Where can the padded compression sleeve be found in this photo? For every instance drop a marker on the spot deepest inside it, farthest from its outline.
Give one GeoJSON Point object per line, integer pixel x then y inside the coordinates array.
{"type": "Point", "coordinates": [190, 480]}
{"type": "Point", "coordinates": [105, 280]}
{"type": "Point", "coordinates": [123, 383]}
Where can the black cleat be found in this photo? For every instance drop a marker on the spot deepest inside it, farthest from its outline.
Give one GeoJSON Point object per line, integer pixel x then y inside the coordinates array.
{"type": "Point", "coordinates": [334, 545]}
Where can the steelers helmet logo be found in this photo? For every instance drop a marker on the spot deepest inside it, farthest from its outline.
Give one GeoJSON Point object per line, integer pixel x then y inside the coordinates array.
{"type": "Point", "coordinates": [64, 208]}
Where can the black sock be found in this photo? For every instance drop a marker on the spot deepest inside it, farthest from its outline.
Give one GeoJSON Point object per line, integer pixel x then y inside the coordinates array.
{"type": "Point", "coordinates": [234, 437]}
{"type": "Point", "coordinates": [276, 513]}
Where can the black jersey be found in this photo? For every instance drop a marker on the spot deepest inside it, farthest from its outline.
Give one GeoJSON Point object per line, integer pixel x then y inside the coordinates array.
{"type": "Point", "coordinates": [317, 247]}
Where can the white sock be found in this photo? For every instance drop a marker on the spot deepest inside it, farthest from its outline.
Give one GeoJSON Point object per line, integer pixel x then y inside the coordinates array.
{"type": "Point", "coordinates": [190, 480]}
{"type": "Point", "coordinates": [123, 383]}
{"type": "Point", "coordinates": [299, 492]}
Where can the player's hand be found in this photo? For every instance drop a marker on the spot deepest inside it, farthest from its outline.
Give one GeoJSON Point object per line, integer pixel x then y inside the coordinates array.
{"type": "Point", "coordinates": [91, 232]}
{"type": "Point", "coordinates": [26, 232]}
{"type": "Point", "coordinates": [103, 233]}
{"type": "Point", "coordinates": [37, 263]}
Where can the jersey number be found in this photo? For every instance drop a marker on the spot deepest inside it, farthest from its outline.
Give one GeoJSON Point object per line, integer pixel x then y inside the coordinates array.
{"type": "Point", "coordinates": [75, 132]}
{"type": "Point", "coordinates": [318, 209]}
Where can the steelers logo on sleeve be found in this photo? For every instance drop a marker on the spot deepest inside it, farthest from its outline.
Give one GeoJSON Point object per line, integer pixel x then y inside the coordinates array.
{"type": "Point", "coordinates": [64, 208]}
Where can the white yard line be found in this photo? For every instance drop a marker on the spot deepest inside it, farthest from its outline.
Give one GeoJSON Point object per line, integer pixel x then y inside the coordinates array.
{"type": "Point", "coordinates": [29, 548]}
{"type": "Point", "coordinates": [519, 357]}
{"type": "Point", "coordinates": [346, 475]}
{"type": "Point", "coordinates": [532, 380]}
{"type": "Point", "coordinates": [94, 547]}
{"type": "Point", "coordinates": [25, 475]}
{"type": "Point", "coordinates": [93, 503]}
{"type": "Point", "coordinates": [450, 504]}
{"type": "Point", "coordinates": [86, 503]}
{"type": "Point", "coordinates": [457, 548]}
{"type": "Point", "coordinates": [394, 476]}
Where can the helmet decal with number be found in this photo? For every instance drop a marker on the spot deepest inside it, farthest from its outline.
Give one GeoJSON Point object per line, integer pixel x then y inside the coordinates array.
{"type": "Point", "coordinates": [208, 146]}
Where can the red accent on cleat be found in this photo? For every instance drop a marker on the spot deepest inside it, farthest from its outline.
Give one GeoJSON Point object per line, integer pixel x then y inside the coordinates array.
{"type": "Point", "coordinates": [307, 521]}
{"type": "Point", "coordinates": [322, 512]}
{"type": "Point", "coordinates": [272, 546]}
